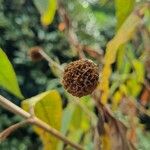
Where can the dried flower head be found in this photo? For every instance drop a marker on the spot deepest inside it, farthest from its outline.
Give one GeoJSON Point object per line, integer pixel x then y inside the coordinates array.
{"type": "Point", "coordinates": [80, 77]}
{"type": "Point", "coordinates": [34, 53]}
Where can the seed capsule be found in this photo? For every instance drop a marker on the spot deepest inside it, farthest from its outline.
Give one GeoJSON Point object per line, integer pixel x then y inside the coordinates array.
{"type": "Point", "coordinates": [80, 77]}
{"type": "Point", "coordinates": [34, 53]}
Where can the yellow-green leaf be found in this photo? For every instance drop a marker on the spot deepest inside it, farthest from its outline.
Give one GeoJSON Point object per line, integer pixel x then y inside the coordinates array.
{"type": "Point", "coordinates": [116, 99]}
{"type": "Point", "coordinates": [139, 70]}
{"type": "Point", "coordinates": [77, 117]}
{"type": "Point", "coordinates": [133, 87]}
{"type": "Point", "coordinates": [121, 58]}
{"type": "Point", "coordinates": [123, 9]}
{"type": "Point", "coordinates": [123, 35]}
{"type": "Point", "coordinates": [105, 138]}
{"type": "Point", "coordinates": [8, 78]}
{"type": "Point", "coordinates": [76, 136]}
{"type": "Point", "coordinates": [47, 9]}
{"type": "Point", "coordinates": [48, 107]}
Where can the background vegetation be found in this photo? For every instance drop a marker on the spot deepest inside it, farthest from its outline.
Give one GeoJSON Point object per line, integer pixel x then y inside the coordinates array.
{"type": "Point", "coordinates": [114, 34]}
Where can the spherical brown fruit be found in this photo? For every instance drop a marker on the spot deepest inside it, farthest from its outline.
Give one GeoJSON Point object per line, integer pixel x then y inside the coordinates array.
{"type": "Point", "coordinates": [80, 77]}
{"type": "Point", "coordinates": [34, 53]}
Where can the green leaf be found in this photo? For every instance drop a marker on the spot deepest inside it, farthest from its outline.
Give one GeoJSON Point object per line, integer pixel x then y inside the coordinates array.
{"type": "Point", "coordinates": [139, 70]}
{"type": "Point", "coordinates": [127, 67]}
{"type": "Point", "coordinates": [77, 118]}
{"type": "Point", "coordinates": [76, 136]}
{"type": "Point", "coordinates": [123, 9]}
{"type": "Point", "coordinates": [133, 87]}
{"type": "Point", "coordinates": [137, 65]}
{"type": "Point", "coordinates": [48, 107]}
{"type": "Point", "coordinates": [66, 120]}
{"type": "Point", "coordinates": [123, 35]}
{"type": "Point", "coordinates": [67, 115]}
{"type": "Point", "coordinates": [8, 78]}
{"type": "Point", "coordinates": [75, 121]}
{"type": "Point", "coordinates": [80, 123]}
{"type": "Point", "coordinates": [123, 59]}
{"type": "Point", "coordinates": [47, 9]}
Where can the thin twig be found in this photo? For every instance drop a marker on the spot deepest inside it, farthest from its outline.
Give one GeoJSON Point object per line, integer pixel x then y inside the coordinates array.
{"type": "Point", "coordinates": [97, 141]}
{"type": "Point", "coordinates": [69, 31]}
{"type": "Point", "coordinates": [72, 37]}
{"type": "Point", "coordinates": [147, 85]}
{"type": "Point", "coordinates": [35, 121]}
{"type": "Point", "coordinates": [4, 134]}
{"type": "Point", "coordinates": [140, 108]}
{"type": "Point", "coordinates": [5, 103]}
{"type": "Point", "coordinates": [50, 61]}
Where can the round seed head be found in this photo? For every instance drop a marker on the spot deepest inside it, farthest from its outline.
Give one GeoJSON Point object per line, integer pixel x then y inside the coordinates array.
{"type": "Point", "coordinates": [34, 53]}
{"type": "Point", "coordinates": [80, 77]}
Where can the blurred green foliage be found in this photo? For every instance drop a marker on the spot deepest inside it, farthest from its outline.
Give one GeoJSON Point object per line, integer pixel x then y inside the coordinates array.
{"type": "Point", "coordinates": [20, 29]}
{"type": "Point", "coordinates": [95, 24]}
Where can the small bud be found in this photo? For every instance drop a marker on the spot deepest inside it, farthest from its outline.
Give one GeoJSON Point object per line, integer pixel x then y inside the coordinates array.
{"type": "Point", "coordinates": [80, 77]}
{"type": "Point", "coordinates": [62, 26]}
{"type": "Point", "coordinates": [34, 53]}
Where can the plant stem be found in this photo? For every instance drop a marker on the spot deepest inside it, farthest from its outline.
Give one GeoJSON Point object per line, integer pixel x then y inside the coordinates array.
{"type": "Point", "coordinates": [36, 121]}
{"type": "Point", "coordinates": [50, 61]}
{"type": "Point", "coordinates": [13, 108]}
{"type": "Point", "coordinates": [4, 134]}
